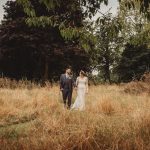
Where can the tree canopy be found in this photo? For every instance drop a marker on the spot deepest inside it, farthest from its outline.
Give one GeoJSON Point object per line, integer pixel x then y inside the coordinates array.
{"type": "Point", "coordinates": [39, 38]}
{"type": "Point", "coordinates": [36, 52]}
{"type": "Point", "coordinates": [134, 63]}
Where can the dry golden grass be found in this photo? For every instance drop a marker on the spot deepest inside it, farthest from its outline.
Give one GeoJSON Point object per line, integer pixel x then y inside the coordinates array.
{"type": "Point", "coordinates": [138, 87]}
{"type": "Point", "coordinates": [35, 119]}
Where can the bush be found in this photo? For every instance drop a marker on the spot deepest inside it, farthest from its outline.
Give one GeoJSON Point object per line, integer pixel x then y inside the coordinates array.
{"type": "Point", "coordinates": [138, 87]}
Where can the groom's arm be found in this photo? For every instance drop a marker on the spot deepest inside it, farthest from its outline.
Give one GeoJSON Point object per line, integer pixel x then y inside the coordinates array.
{"type": "Point", "coordinates": [74, 82]}
{"type": "Point", "coordinates": [61, 82]}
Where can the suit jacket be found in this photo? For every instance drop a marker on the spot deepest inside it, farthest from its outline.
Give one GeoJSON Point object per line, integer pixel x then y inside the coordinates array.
{"type": "Point", "coordinates": [66, 83]}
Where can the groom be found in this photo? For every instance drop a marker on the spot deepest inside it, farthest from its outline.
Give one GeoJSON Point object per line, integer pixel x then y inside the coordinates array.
{"type": "Point", "coordinates": [66, 86]}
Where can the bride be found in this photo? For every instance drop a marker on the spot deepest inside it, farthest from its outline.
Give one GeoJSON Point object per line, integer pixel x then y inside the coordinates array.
{"type": "Point", "coordinates": [82, 89]}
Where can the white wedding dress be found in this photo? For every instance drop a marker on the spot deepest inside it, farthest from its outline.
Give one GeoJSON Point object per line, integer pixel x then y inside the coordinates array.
{"type": "Point", "coordinates": [82, 88]}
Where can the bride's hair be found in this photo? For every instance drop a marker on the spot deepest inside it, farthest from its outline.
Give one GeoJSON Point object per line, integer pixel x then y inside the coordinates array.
{"type": "Point", "coordinates": [83, 73]}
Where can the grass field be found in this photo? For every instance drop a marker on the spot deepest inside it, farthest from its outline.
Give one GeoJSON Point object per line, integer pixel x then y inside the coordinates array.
{"type": "Point", "coordinates": [35, 119]}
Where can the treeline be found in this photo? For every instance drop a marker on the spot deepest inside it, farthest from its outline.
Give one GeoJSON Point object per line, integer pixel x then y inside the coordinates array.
{"type": "Point", "coordinates": [35, 52]}
{"type": "Point", "coordinates": [40, 47]}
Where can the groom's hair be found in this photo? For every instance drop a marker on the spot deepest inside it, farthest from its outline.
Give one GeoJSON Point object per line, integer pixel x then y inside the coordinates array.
{"type": "Point", "coordinates": [68, 67]}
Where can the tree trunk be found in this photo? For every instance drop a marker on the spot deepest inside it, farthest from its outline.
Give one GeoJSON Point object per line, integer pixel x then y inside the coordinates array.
{"type": "Point", "coordinates": [107, 67]}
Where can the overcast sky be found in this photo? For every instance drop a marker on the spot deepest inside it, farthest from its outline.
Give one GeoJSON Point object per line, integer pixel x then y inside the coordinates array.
{"type": "Point", "coordinates": [2, 2]}
{"type": "Point", "coordinates": [112, 3]}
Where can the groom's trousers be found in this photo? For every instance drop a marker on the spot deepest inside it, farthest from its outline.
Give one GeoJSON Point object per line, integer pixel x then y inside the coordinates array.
{"type": "Point", "coordinates": [67, 95]}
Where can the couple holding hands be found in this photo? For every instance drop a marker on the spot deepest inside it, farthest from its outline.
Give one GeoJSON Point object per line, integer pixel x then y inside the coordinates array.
{"type": "Point", "coordinates": [67, 84]}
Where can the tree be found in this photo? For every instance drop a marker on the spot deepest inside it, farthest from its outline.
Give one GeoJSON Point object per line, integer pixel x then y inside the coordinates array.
{"type": "Point", "coordinates": [136, 32]}
{"type": "Point", "coordinates": [134, 62]}
{"type": "Point", "coordinates": [65, 18]}
{"type": "Point", "coordinates": [142, 5]}
{"type": "Point", "coordinates": [109, 41]}
{"type": "Point", "coordinates": [133, 22]}
{"type": "Point", "coordinates": [36, 52]}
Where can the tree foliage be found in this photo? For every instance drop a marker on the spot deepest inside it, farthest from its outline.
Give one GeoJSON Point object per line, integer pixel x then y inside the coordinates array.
{"type": "Point", "coordinates": [136, 32]}
{"type": "Point", "coordinates": [142, 5]}
{"type": "Point", "coordinates": [36, 52]}
{"type": "Point", "coordinates": [134, 62]}
{"type": "Point", "coordinates": [107, 50]}
{"type": "Point", "coordinates": [69, 19]}
{"type": "Point", "coordinates": [38, 38]}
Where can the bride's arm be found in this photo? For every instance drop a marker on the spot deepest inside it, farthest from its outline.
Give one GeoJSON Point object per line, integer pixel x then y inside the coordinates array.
{"type": "Point", "coordinates": [77, 81]}
{"type": "Point", "coordinates": [87, 85]}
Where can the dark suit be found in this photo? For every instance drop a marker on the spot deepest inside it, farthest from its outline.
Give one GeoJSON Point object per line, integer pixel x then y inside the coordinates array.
{"type": "Point", "coordinates": [66, 84]}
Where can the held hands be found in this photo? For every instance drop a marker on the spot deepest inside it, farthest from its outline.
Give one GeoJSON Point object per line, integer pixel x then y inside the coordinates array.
{"type": "Point", "coordinates": [75, 89]}
{"type": "Point", "coordinates": [61, 89]}
{"type": "Point", "coordinates": [87, 91]}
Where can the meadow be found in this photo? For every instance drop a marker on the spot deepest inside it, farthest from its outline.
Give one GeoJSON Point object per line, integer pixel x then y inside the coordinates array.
{"type": "Point", "coordinates": [34, 118]}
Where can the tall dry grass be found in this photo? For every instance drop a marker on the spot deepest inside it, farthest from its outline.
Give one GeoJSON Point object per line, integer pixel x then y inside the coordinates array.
{"type": "Point", "coordinates": [138, 87]}
{"type": "Point", "coordinates": [35, 119]}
